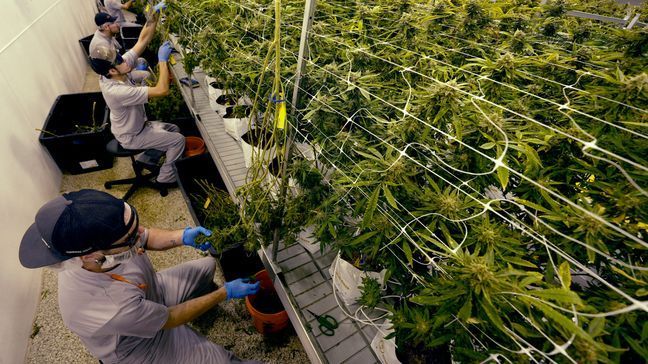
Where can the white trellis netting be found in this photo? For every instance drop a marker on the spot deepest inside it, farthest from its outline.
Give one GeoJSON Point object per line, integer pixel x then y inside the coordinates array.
{"type": "Point", "coordinates": [447, 253]}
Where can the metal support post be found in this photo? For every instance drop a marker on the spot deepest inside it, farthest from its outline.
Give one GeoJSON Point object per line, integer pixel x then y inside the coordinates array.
{"type": "Point", "coordinates": [307, 24]}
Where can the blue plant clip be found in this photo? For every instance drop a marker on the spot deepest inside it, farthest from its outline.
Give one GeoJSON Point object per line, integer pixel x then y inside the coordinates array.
{"type": "Point", "coordinates": [275, 101]}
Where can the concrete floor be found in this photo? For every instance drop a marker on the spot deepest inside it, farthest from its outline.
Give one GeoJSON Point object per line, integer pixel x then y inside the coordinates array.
{"type": "Point", "coordinates": [229, 324]}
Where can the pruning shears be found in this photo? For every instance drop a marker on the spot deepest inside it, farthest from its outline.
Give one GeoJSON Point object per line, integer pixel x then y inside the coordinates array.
{"type": "Point", "coordinates": [327, 323]}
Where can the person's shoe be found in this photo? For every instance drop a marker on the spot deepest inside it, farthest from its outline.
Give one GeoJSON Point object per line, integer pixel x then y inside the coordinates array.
{"type": "Point", "coordinates": [166, 185]}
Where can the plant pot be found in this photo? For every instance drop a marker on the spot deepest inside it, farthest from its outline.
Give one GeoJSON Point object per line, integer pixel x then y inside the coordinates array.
{"type": "Point", "coordinates": [384, 349]}
{"type": "Point", "coordinates": [255, 145]}
{"type": "Point", "coordinates": [236, 262]}
{"type": "Point", "coordinates": [266, 309]}
{"type": "Point", "coordinates": [419, 354]}
{"type": "Point", "coordinates": [236, 126]}
{"type": "Point", "coordinates": [78, 149]}
{"type": "Point", "coordinates": [194, 146]}
{"type": "Point", "coordinates": [347, 279]}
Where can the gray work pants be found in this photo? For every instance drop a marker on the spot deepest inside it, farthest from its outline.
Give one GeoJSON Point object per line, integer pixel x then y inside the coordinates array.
{"type": "Point", "coordinates": [180, 283]}
{"type": "Point", "coordinates": [160, 136]}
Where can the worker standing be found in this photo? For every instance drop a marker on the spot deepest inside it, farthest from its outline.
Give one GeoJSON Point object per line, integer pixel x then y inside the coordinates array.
{"type": "Point", "coordinates": [109, 293]}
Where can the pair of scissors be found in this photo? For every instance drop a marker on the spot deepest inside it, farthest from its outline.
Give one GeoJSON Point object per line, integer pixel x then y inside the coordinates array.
{"type": "Point", "coordinates": [327, 323]}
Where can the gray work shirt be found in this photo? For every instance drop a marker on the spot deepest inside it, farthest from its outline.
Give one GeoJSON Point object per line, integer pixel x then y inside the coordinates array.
{"type": "Point", "coordinates": [114, 8]}
{"type": "Point", "coordinates": [100, 39]}
{"type": "Point", "coordinates": [119, 322]}
{"type": "Point", "coordinates": [115, 320]}
{"type": "Point", "coordinates": [126, 102]}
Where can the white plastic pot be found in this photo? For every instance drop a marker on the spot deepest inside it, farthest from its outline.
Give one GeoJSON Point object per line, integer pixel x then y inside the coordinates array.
{"type": "Point", "coordinates": [236, 127]}
{"type": "Point", "coordinates": [347, 279]}
{"type": "Point", "coordinates": [250, 152]}
{"type": "Point", "coordinates": [385, 350]}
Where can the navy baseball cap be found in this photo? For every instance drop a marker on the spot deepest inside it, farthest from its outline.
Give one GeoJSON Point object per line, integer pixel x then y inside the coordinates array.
{"type": "Point", "coordinates": [72, 225]}
{"type": "Point", "coordinates": [103, 18]}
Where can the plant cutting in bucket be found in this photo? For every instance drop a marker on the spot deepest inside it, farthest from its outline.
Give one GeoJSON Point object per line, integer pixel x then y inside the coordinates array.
{"type": "Point", "coordinates": [265, 307]}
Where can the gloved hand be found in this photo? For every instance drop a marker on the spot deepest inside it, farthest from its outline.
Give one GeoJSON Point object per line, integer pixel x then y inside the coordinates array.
{"type": "Point", "coordinates": [142, 65]}
{"type": "Point", "coordinates": [159, 6]}
{"type": "Point", "coordinates": [190, 234]}
{"type": "Point", "coordinates": [165, 51]}
{"type": "Point", "coordinates": [240, 288]}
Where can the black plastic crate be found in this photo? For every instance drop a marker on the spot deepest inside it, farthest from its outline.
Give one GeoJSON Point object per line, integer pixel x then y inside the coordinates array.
{"type": "Point", "coordinates": [236, 262]}
{"type": "Point", "coordinates": [129, 36]}
{"type": "Point", "coordinates": [77, 151]}
{"type": "Point", "coordinates": [85, 46]}
{"type": "Point", "coordinates": [130, 31]}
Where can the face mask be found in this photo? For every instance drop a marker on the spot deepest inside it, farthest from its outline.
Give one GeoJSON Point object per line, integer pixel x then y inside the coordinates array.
{"type": "Point", "coordinates": [113, 260]}
{"type": "Point", "coordinates": [70, 264]}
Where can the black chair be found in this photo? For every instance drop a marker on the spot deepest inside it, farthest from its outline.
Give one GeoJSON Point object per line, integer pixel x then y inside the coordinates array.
{"type": "Point", "coordinates": [148, 160]}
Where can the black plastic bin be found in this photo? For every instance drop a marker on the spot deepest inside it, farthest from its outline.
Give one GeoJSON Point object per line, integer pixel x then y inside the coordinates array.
{"type": "Point", "coordinates": [85, 46]}
{"type": "Point", "coordinates": [236, 262]}
{"type": "Point", "coordinates": [78, 152]}
{"type": "Point", "coordinates": [129, 36]}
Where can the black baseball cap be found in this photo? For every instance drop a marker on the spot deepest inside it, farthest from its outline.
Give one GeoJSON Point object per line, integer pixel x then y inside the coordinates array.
{"type": "Point", "coordinates": [103, 18]}
{"type": "Point", "coordinates": [72, 225]}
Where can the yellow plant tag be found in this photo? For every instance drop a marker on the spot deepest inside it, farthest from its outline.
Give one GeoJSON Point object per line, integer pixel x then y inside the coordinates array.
{"type": "Point", "coordinates": [172, 59]}
{"type": "Point", "coordinates": [281, 120]}
{"type": "Point", "coordinates": [207, 202]}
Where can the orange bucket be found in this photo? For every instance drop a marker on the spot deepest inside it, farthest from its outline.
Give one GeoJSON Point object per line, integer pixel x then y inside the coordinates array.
{"type": "Point", "coordinates": [266, 309]}
{"type": "Point", "coordinates": [194, 146]}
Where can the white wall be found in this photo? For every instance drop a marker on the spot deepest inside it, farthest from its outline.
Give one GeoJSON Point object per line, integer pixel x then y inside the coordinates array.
{"type": "Point", "coordinates": [40, 58]}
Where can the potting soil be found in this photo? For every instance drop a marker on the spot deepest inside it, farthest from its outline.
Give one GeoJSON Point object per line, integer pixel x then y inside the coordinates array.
{"type": "Point", "coordinates": [267, 302]}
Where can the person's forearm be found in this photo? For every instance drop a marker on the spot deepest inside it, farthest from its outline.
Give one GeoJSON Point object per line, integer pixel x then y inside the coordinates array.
{"type": "Point", "coordinates": [147, 33]}
{"type": "Point", "coordinates": [161, 88]}
{"type": "Point", "coordinates": [189, 310]}
{"type": "Point", "coordinates": [164, 239]}
{"type": "Point", "coordinates": [163, 80]}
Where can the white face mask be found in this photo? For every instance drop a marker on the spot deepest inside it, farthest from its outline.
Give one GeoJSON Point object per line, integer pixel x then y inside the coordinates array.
{"type": "Point", "coordinates": [70, 264]}
{"type": "Point", "coordinates": [113, 260]}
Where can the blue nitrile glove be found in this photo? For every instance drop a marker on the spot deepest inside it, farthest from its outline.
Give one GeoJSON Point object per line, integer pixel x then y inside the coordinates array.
{"type": "Point", "coordinates": [165, 51]}
{"type": "Point", "coordinates": [190, 234]}
{"type": "Point", "coordinates": [240, 288]}
{"type": "Point", "coordinates": [142, 65]}
{"type": "Point", "coordinates": [159, 6]}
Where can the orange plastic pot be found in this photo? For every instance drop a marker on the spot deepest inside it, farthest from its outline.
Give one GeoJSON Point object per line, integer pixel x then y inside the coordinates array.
{"type": "Point", "coordinates": [268, 315]}
{"type": "Point", "coordinates": [194, 146]}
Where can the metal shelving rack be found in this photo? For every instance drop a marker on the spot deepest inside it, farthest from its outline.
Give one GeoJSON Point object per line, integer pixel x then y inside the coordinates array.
{"type": "Point", "coordinates": [301, 278]}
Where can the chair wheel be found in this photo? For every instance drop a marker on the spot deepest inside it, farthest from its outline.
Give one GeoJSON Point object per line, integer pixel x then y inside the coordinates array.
{"type": "Point", "coordinates": [107, 186]}
{"type": "Point", "coordinates": [164, 192]}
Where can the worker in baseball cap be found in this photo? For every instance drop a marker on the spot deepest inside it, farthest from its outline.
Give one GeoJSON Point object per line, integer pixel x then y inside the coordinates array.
{"type": "Point", "coordinates": [109, 293]}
